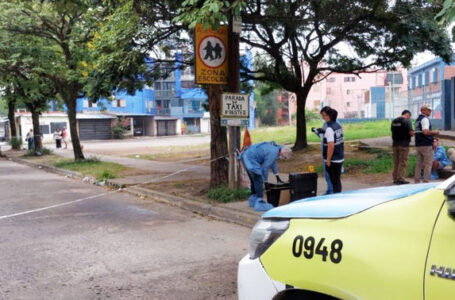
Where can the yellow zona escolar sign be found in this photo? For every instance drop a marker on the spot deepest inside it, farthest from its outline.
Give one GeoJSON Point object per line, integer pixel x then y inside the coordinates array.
{"type": "Point", "coordinates": [211, 55]}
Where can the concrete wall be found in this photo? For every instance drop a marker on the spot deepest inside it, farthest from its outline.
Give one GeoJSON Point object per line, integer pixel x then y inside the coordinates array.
{"type": "Point", "coordinates": [25, 124]}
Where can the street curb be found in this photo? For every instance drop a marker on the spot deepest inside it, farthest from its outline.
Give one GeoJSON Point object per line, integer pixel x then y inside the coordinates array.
{"type": "Point", "coordinates": [447, 137]}
{"type": "Point", "coordinates": [204, 209]}
{"type": "Point", "coordinates": [50, 169]}
{"type": "Point", "coordinates": [208, 210]}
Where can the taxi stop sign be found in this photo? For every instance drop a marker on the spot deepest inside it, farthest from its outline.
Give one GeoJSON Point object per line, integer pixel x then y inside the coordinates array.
{"type": "Point", "coordinates": [235, 109]}
{"type": "Point", "coordinates": [211, 55]}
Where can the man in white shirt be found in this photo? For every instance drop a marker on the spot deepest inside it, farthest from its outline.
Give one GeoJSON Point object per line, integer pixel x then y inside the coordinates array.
{"type": "Point", "coordinates": [424, 144]}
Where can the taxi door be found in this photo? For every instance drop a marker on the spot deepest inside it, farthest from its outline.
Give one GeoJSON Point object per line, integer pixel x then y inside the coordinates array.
{"type": "Point", "coordinates": [439, 279]}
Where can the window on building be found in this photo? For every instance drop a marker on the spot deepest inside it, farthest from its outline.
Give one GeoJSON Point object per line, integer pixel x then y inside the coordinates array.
{"type": "Point", "coordinates": [348, 92]}
{"type": "Point", "coordinates": [157, 85]}
{"type": "Point", "coordinates": [328, 91]}
{"type": "Point", "coordinates": [349, 79]}
{"type": "Point", "coordinates": [118, 103]}
{"type": "Point", "coordinates": [331, 79]}
{"type": "Point", "coordinates": [435, 75]}
{"type": "Point", "coordinates": [348, 104]}
{"type": "Point", "coordinates": [87, 103]}
{"type": "Point", "coordinates": [44, 129]}
{"type": "Point", "coordinates": [55, 125]}
{"type": "Point", "coordinates": [419, 80]}
{"type": "Point", "coordinates": [427, 78]}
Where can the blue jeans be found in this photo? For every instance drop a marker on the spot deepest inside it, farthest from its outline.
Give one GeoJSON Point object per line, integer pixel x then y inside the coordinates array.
{"type": "Point", "coordinates": [327, 179]}
{"type": "Point", "coordinates": [256, 184]}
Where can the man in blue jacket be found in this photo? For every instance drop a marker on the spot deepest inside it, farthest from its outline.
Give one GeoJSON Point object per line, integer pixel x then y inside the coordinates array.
{"type": "Point", "coordinates": [440, 159]}
{"type": "Point", "coordinates": [258, 159]}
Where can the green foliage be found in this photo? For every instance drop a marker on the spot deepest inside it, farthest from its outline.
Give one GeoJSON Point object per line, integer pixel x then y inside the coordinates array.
{"type": "Point", "coordinates": [312, 116]}
{"type": "Point", "coordinates": [447, 13]}
{"type": "Point", "coordinates": [42, 152]}
{"type": "Point", "coordinates": [16, 143]}
{"type": "Point", "coordinates": [226, 195]}
{"type": "Point", "coordinates": [106, 175]}
{"type": "Point", "coordinates": [118, 130]}
{"type": "Point", "coordinates": [266, 103]}
{"type": "Point", "coordinates": [92, 166]}
{"type": "Point", "coordinates": [208, 12]}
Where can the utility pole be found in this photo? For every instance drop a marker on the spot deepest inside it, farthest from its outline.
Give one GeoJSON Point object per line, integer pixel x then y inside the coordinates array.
{"type": "Point", "coordinates": [233, 87]}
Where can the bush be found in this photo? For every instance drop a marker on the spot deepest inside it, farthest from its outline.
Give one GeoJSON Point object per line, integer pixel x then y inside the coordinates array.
{"type": "Point", "coordinates": [16, 143]}
{"type": "Point", "coordinates": [106, 175]}
{"type": "Point", "coordinates": [311, 116]}
{"type": "Point", "coordinates": [118, 131]}
{"type": "Point", "coordinates": [225, 195]}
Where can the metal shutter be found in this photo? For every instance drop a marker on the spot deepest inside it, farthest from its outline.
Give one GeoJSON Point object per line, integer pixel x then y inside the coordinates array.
{"type": "Point", "coordinates": [167, 127]}
{"type": "Point", "coordinates": [95, 129]}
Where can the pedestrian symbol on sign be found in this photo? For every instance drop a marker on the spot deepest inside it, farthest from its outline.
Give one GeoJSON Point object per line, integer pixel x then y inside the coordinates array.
{"type": "Point", "coordinates": [212, 52]}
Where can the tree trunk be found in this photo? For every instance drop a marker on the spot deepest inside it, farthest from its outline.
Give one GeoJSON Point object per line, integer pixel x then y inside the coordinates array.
{"type": "Point", "coordinates": [36, 130]}
{"type": "Point", "coordinates": [71, 104]}
{"type": "Point", "coordinates": [11, 118]}
{"type": "Point", "coordinates": [301, 141]}
{"type": "Point", "coordinates": [219, 165]}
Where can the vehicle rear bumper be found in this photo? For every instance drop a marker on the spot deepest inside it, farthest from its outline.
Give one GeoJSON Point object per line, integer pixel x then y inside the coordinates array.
{"type": "Point", "coordinates": [253, 282]}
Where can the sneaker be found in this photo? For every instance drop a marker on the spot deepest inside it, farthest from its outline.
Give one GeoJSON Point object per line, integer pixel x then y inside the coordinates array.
{"type": "Point", "coordinates": [252, 200]}
{"type": "Point", "coordinates": [261, 205]}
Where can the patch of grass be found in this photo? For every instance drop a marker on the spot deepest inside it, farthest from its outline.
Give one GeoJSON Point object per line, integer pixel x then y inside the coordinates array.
{"type": "Point", "coordinates": [383, 163]}
{"type": "Point", "coordinates": [101, 170]}
{"type": "Point", "coordinates": [352, 131]}
{"type": "Point", "coordinates": [225, 195]}
{"type": "Point", "coordinates": [43, 152]}
{"type": "Point", "coordinates": [411, 166]}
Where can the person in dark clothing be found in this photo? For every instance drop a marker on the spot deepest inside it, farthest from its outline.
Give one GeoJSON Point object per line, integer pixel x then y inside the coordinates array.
{"type": "Point", "coordinates": [401, 136]}
{"type": "Point", "coordinates": [333, 147]}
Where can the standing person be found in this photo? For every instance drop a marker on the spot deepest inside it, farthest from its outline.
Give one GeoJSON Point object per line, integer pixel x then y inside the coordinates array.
{"type": "Point", "coordinates": [424, 144]}
{"type": "Point", "coordinates": [258, 159]}
{"type": "Point", "coordinates": [30, 139]}
{"type": "Point", "coordinates": [58, 138]}
{"type": "Point", "coordinates": [401, 136]}
{"type": "Point", "coordinates": [333, 147]}
{"type": "Point", "coordinates": [65, 137]}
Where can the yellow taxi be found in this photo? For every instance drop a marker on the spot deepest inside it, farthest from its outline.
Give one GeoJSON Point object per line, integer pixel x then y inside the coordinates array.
{"type": "Point", "coordinates": [382, 243]}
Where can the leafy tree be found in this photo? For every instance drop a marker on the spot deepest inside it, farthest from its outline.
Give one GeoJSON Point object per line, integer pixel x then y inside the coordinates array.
{"type": "Point", "coordinates": [266, 103]}
{"type": "Point", "coordinates": [67, 27]}
{"type": "Point", "coordinates": [3, 107]}
{"type": "Point", "coordinates": [23, 65]}
{"type": "Point", "coordinates": [360, 36]}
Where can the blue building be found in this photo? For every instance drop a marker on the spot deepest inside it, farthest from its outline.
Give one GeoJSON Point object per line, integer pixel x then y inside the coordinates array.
{"type": "Point", "coordinates": [174, 105]}
{"type": "Point", "coordinates": [432, 83]}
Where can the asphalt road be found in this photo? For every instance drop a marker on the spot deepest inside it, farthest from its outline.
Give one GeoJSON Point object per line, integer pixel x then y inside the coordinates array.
{"type": "Point", "coordinates": [111, 247]}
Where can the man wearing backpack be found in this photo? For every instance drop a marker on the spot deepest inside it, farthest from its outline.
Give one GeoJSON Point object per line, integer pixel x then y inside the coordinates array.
{"type": "Point", "coordinates": [401, 135]}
